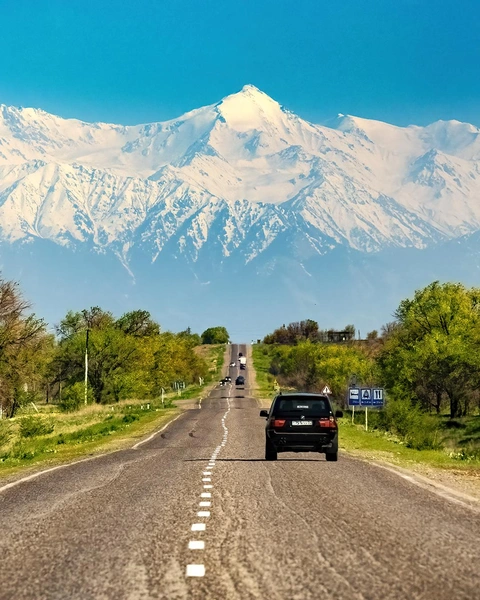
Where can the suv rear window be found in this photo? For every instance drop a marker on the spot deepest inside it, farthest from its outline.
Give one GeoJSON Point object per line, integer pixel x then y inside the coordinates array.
{"type": "Point", "coordinates": [297, 404]}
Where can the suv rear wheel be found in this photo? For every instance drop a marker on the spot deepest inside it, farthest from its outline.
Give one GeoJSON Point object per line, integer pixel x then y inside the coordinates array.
{"type": "Point", "coordinates": [270, 451]}
{"type": "Point", "coordinates": [331, 456]}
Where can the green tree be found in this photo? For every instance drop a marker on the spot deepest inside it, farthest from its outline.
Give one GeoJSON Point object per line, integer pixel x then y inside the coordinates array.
{"type": "Point", "coordinates": [111, 351]}
{"type": "Point", "coordinates": [138, 323]}
{"type": "Point", "coordinates": [128, 357]}
{"type": "Point", "coordinates": [433, 352]}
{"type": "Point", "coordinates": [215, 335]}
{"type": "Point", "coordinates": [24, 347]}
{"type": "Point", "coordinates": [310, 366]}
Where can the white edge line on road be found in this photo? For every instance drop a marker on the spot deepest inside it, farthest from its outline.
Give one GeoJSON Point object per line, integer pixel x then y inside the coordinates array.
{"type": "Point", "coordinates": [156, 432]}
{"type": "Point", "coordinates": [82, 460]}
{"type": "Point", "coordinates": [35, 475]}
{"type": "Point", "coordinates": [428, 484]}
{"type": "Point", "coordinates": [198, 527]}
{"type": "Point", "coordinates": [196, 545]}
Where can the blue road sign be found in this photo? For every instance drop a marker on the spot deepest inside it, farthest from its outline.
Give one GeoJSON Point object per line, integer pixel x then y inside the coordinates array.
{"type": "Point", "coordinates": [366, 397]}
{"type": "Point", "coordinates": [378, 397]}
{"type": "Point", "coordinates": [354, 396]}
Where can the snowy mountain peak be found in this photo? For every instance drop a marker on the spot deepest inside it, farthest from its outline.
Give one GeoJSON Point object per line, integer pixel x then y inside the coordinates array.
{"type": "Point", "coordinates": [249, 109]}
{"type": "Point", "coordinates": [242, 171]}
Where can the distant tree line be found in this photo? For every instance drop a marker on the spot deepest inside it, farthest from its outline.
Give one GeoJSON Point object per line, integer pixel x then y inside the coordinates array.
{"type": "Point", "coordinates": [300, 331]}
{"type": "Point", "coordinates": [428, 358]}
{"type": "Point", "coordinates": [128, 357]}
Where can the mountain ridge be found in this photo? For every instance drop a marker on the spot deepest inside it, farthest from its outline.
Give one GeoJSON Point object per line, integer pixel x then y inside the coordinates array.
{"type": "Point", "coordinates": [241, 184]}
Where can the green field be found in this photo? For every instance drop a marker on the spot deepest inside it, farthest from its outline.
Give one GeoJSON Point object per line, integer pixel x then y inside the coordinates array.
{"type": "Point", "coordinates": [266, 382]}
{"type": "Point", "coordinates": [381, 445]}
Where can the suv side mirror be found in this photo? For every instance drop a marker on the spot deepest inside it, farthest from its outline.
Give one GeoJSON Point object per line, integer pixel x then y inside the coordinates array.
{"type": "Point", "coordinates": [338, 414]}
{"type": "Point", "coordinates": [264, 413]}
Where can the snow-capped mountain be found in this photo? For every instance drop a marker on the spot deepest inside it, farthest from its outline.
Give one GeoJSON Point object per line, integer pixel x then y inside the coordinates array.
{"type": "Point", "coordinates": [241, 182]}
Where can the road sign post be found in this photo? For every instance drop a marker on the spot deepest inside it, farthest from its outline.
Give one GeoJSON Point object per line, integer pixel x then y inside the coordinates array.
{"type": "Point", "coordinates": [353, 400]}
{"type": "Point", "coordinates": [354, 396]}
{"type": "Point", "coordinates": [366, 401]}
{"type": "Point", "coordinates": [377, 397]}
{"type": "Point", "coordinates": [367, 397]}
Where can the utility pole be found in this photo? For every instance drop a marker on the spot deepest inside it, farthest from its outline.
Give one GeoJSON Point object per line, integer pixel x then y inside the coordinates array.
{"type": "Point", "coordinates": [86, 366]}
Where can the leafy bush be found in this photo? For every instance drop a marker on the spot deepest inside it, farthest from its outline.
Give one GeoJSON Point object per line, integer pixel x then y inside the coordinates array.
{"type": "Point", "coordinates": [34, 426]}
{"type": "Point", "coordinates": [419, 430]}
{"type": "Point", "coordinates": [215, 335]}
{"type": "Point", "coordinates": [5, 433]}
{"type": "Point", "coordinates": [130, 418]}
{"type": "Point", "coordinates": [73, 397]}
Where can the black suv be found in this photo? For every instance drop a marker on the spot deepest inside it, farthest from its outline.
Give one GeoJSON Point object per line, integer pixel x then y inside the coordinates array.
{"type": "Point", "coordinates": [300, 422]}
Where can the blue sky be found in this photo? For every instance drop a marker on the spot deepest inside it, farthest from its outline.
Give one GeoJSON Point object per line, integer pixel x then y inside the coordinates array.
{"type": "Point", "coordinates": [133, 61]}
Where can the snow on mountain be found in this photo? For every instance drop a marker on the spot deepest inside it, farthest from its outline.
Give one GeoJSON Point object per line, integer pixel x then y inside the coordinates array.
{"type": "Point", "coordinates": [231, 177]}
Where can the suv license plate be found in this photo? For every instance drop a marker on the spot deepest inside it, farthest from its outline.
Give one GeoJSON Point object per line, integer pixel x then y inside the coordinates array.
{"type": "Point", "coordinates": [310, 423]}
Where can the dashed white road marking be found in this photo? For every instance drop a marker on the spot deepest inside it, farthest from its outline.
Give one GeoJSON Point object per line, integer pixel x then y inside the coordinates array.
{"type": "Point", "coordinates": [196, 545]}
{"type": "Point", "coordinates": [198, 570]}
{"type": "Point", "coordinates": [195, 570]}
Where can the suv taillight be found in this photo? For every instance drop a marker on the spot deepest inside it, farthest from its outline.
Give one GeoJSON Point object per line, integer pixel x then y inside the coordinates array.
{"type": "Point", "coordinates": [279, 422]}
{"type": "Point", "coordinates": [328, 422]}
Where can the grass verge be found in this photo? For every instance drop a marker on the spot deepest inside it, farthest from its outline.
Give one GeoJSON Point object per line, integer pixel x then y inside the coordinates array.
{"type": "Point", "coordinates": [265, 380]}
{"type": "Point", "coordinates": [51, 437]}
{"type": "Point", "coordinates": [83, 433]}
{"type": "Point", "coordinates": [383, 446]}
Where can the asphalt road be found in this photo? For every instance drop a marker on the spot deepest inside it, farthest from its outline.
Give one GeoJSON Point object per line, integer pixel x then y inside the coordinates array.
{"type": "Point", "coordinates": [120, 526]}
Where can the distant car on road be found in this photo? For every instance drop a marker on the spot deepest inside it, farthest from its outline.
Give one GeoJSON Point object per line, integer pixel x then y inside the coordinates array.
{"type": "Point", "coordinates": [240, 380]}
{"type": "Point", "coordinates": [228, 379]}
{"type": "Point", "coordinates": [233, 364]}
{"type": "Point", "coordinates": [300, 422]}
